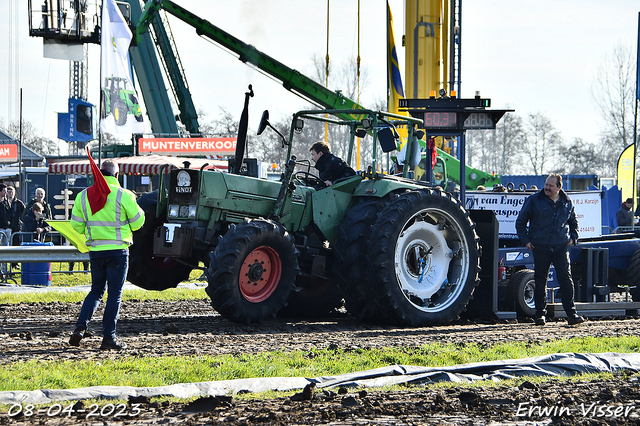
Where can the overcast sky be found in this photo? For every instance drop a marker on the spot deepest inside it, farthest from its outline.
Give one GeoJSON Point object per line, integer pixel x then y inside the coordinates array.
{"type": "Point", "coordinates": [532, 56]}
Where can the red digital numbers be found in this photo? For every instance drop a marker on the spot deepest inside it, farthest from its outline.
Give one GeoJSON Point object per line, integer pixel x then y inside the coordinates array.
{"type": "Point", "coordinates": [440, 119]}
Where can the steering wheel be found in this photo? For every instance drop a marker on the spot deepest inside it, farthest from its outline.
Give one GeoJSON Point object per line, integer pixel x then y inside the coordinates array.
{"type": "Point", "coordinates": [309, 179]}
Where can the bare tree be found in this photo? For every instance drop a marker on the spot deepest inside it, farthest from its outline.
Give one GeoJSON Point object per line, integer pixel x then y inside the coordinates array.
{"type": "Point", "coordinates": [224, 124]}
{"type": "Point", "coordinates": [31, 137]}
{"type": "Point", "coordinates": [268, 147]}
{"type": "Point", "coordinates": [614, 93]}
{"type": "Point", "coordinates": [541, 143]}
{"type": "Point", "coordinates": [581, 157]}
{"type": "Point", "coordinates": [497, 150]}
{"type": "Point", "coordinates": [344, 79]}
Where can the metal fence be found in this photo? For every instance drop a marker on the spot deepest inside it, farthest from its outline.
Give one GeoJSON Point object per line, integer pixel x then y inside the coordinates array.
{"type": "Point", "coordinates": [23, 252]}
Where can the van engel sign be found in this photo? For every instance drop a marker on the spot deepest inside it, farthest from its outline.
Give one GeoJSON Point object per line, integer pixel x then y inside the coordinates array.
{"type": "Point", "coordinates": [8, 152]}
{"type": "Point", "coordinates": [200, 146]}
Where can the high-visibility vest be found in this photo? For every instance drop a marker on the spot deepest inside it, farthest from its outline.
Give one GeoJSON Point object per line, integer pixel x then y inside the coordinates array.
{"type": "Point", "coordinates": [111, 228]}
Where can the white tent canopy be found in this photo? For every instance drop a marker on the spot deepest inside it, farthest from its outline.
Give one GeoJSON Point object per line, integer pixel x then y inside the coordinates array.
{"type": "Point", "coordinates": [143, 165]}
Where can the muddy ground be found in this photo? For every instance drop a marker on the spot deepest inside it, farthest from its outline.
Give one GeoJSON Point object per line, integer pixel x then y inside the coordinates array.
{"type": "Point", "coordinates": [156, 328]}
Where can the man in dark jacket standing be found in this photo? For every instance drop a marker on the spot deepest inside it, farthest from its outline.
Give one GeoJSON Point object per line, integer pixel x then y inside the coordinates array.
{"type": "Point", "coordinates": [13, 211]}
{"type": "Point", "coordinates": [329, 166]}
{"type": "Point", "coordinates": [552, 227]}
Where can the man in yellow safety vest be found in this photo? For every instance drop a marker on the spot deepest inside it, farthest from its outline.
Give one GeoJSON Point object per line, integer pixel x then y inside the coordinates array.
{"type": "Point", "coordinates": [107, 215]}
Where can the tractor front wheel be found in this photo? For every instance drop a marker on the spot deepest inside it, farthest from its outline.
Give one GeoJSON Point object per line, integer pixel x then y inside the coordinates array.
{"type": "Point", "coordinates": [252, 271]}
{"type": "Point", "coordinates": [146, 270]}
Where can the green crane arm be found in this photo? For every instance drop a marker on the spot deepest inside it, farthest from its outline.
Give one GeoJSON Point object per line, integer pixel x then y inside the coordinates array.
{"type": "Point", "coordinates": [291, 79]}
{"type": "Point", "coordinates": [474, 177]}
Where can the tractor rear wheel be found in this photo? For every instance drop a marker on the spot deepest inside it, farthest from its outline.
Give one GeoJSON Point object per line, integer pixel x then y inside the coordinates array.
{"type": "Point", "coordinates": [146, 270]}
{"type": "Point", "coordinates": [120, 112]}
{"type": "Point", "coordinates": [520, 291]}
{"type": "Point", "coordinates": [252, 271]}
{"type": "Point", "coordinates": [633, 275]}
{"type": "Point", "coordinates": [350, 251]}
{"type": "Point", "coordinates": [424, 259]}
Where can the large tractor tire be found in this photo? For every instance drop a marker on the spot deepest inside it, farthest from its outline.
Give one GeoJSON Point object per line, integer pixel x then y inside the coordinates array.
{"type": "Point", "coordinates": [520, 291]}
{"type": "Point", "coordinates": [312, 297]}
{"type": "Point", "coordinates": [146, 270]}
{"type": "Point", "coordinates": [120, 111]}
{"type": "Point", "coordinates": [350, 253]}
{"type": "Point", "coordinates": [633, 275]}
{"type": "Point", "coordinates": [424, 259]}
{"type": "Point", "coordinates": [252, 271]}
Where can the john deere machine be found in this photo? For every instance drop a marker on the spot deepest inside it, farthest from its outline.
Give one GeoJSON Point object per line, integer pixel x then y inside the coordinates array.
{"type": "Point", "coordinates": [119, 100]}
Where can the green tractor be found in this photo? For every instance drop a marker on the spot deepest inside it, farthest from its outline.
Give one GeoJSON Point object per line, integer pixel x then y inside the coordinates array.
{"type": "Point", "coordinates": [120, 101]}
{"type": "Point", "coordinates": [393, 249]}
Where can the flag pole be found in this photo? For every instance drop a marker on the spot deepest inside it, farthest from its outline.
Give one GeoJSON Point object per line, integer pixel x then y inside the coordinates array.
{"type": "Point", "coordinates": [20, 179]}
{"type": "Point", "coordinates": [388, 82]}
{"type": "Point", "coordinates": [100, 88]}
{"type": "Point", "coordinates": [635, 126]}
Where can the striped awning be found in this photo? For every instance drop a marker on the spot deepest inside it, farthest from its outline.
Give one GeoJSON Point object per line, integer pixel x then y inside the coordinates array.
{"type": "Point", "coordinates": [140, 165]}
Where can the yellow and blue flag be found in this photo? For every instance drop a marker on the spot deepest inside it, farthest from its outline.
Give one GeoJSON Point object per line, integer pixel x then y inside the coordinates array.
{"type": "Point", "coordinates": [395, 78]}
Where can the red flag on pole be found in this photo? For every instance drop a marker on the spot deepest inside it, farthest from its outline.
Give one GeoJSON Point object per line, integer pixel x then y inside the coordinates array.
{"type": "Point", "coordinates": [97, 193]}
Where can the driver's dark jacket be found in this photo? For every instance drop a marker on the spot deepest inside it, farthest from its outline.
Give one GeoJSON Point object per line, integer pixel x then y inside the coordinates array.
{"type": "Point", "coordinates": [548, 224]}
{"type": "Point", "coordinates": [332, 168]}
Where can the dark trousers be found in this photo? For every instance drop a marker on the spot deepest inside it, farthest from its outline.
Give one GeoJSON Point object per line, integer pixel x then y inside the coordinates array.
{"type": "Point", "coordinates": [543, 257]}
{"type": "Point", "coordinates": [107, 274]}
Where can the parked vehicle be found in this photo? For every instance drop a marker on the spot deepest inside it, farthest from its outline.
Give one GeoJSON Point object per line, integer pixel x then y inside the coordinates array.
{"type": "Point", "coordinates": [602, 263]}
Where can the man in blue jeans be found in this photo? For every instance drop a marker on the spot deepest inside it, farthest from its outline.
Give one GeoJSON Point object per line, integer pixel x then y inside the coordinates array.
{"type": "Point", "coordinates": [107, 215]}
{"type": "Point", "coordinates": [552, 228]}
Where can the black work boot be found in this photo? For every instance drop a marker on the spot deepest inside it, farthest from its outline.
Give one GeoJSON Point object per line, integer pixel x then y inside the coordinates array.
{"type": "Point", "coordinates": [112, 343]}
{"type": "Point", "coordinates": [574, 319]}
{"type": "Point", "coordinates": [541, 320]}
{"type": "Point", "coordinates": [77, 335]}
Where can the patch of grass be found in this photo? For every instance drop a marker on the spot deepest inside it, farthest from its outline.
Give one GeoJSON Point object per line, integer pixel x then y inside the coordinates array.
{"type": "Point", "coordinates": [160, 371]}
{"type": "Point", "coordinates": [61, 275]}
{"type": "Point", "coordinates": [63, 280]}
{"type": "Point", "coordinates": [78, 296]}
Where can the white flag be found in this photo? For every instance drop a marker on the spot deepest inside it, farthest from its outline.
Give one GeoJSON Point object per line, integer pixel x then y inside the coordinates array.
{"type": "Point", "coordinates": [120, 108]}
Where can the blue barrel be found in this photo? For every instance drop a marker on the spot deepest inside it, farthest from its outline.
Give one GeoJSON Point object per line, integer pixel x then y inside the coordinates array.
{"type": "Point", "coordinates": [36, 273]}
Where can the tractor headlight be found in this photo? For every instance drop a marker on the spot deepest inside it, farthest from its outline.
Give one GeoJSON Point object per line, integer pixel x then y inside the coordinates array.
{"type": "Point", "coordinates": [192, 212]}
{"type": "Point", "coordinates": [173, 210]}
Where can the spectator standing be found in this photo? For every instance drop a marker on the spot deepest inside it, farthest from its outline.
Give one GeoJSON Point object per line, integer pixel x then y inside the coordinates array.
{"type": "Point", "coordinates": [5, 225]}
{"type": "Point", "coordinates": [552, 227]}
{"type": "Point", "coordinates": [13, 210]}
{"type": "Point", "coordinates": [624, 216]}
{"type": "Point", "coordinates": [107, 215]}
{"type": "Point", "coordinates": [39, 198]}
{"type": "Point", "coordinates": [34, 222]}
